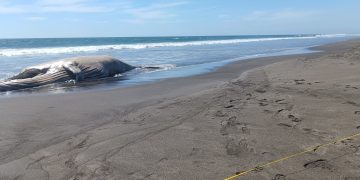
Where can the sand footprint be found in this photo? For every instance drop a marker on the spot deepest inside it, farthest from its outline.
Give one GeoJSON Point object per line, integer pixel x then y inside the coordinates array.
{"type": "Point", "coordinates": [284, 125]}
{"type": "Point", "coordinates": [352, 178]}
{"type": "Point", "coordinates": [232, 126]}
{"type": "Point", "coordinates": [220, 114]}
{"type": "Point", "coordinates": [294, 118]}
{"type": "Point", "coordinates": [318, 133]}
{"type": "Point", "coordinates": [279, 177]}
{"type": "Point", "coordinates": [349, 86]}
{"type": "Point", "coordinates": [320, 163]}
{"type": "Point", "coordinates": [235, 148]}
{"type": "Point", "coordinates": [299, 81]}
{"type": "Point", "coordinates": [263, 102]}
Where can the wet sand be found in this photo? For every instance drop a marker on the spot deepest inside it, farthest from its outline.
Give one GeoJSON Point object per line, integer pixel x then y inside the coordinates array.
{"type": "Point", "coordinates": [208, 126]}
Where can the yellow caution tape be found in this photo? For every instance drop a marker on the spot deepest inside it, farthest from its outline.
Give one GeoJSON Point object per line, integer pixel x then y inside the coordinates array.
{"type": "Point", "coordinates": [310, 149]}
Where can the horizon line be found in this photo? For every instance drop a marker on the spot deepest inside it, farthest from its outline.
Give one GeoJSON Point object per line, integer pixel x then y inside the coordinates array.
{"type": "Point", "coordinates": [79, 37]}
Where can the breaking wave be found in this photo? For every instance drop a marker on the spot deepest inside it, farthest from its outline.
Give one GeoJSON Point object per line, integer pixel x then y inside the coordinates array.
{"type": "Point", "coordinates": [79, 49]}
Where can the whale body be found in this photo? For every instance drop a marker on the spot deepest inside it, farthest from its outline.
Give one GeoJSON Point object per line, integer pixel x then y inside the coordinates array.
{"type": "Point", "coordinates": [78, 69]}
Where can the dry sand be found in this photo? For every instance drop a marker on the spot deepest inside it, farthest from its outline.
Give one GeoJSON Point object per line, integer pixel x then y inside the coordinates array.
{"type": "Point", "coordinates": [202, 127]}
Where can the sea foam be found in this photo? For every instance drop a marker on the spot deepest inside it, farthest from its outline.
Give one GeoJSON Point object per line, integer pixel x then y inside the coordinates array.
{"type": "Point", "coordinates": [79, 49]}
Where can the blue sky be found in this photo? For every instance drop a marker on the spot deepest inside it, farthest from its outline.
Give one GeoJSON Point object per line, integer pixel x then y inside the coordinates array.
{"type": "Point", "coordinates": [98, 18]}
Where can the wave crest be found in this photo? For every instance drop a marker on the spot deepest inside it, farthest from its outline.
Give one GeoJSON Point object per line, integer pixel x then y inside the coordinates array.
{"type": "Point", "coordinates": [79, 49]}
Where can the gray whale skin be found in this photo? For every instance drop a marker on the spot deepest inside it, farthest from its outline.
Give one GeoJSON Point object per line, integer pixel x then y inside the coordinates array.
{"type": "Point", "coordinates": [78, 69]}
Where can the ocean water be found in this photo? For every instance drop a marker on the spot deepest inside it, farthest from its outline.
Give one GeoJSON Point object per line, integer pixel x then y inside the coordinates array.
{"type": "Point", "coordinates": [175, 56]}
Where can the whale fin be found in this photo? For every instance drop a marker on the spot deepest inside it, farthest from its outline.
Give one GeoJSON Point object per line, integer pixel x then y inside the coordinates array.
{"type": "Point", "coordinates": [74, 70]}
{"type": "Point", "coordinates": [28, 73]}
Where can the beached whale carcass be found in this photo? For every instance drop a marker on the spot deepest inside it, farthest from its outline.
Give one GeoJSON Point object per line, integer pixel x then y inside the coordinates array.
{"type": "Point", "coordinates": [78, 69]}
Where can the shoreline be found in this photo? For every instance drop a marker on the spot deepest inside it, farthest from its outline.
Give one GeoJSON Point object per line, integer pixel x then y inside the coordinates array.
{"type": "Point", "coordinates": [44, 91]}
{"type": "Point", "coordinates": [204, 126]}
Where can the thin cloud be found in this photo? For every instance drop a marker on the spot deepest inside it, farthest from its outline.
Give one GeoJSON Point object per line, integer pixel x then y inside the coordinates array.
{"type": "Point", "coordinates": [7, 8]}
{"type": "Point", "coordinates": [54, 6]}
{"type": "Point", "coordinates": [76, 9]}
{"type": "Point", "coordinates": [137, 14]}
{"type": "Point", "coordinates": [277, 15]}
{"type": "Point", "coordinates": [62, 2]}
{"type": "Point", "coordinates": [73, 19]}
{"type": "Point", "coordinates": [36, 18]}
{"type": "Point", "coordinates": [152, 12]}
{"type": "Point", "coordinates": [226, 18]}
{"type": "Point", "coordinates": [10, 10]}
{"type": "Point", "coordinates": [75, 6]}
